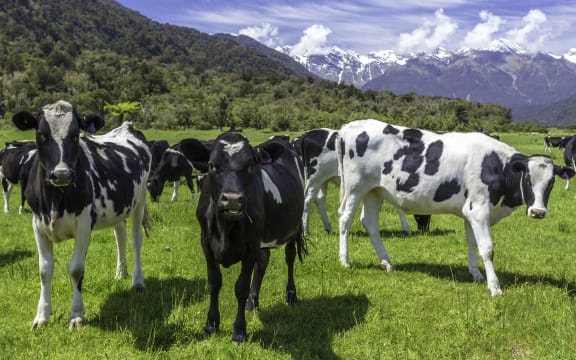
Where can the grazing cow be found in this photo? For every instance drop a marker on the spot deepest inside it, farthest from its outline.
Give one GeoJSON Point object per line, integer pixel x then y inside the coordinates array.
{"type": "Point", "coordinates": [570, 156]}
{"type": "Point", "coordinates": [15, 162]}
{"type": "Point", "coordinates": [466, 174]}
{"type": "Point", "coordinates": [554, 141]}
{"type": "Point", "coordinates": [317, 150]}
{"type": "Point", "coordinates": [82, 183]}
{"type": "Point", "coordinates": [173, 165]}
{"type": "Point", "coordinates": [251, 201]}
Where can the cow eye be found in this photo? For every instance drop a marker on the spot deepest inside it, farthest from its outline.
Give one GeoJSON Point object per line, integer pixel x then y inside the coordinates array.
{"type": "Point", "coordinates": [41, 137]}
{"type": "Point", "coordinates": [211, 168]}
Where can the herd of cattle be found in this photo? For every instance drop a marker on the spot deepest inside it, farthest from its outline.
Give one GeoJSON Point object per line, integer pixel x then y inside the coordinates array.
{"type": "Point", "coordinates": [76, 182]}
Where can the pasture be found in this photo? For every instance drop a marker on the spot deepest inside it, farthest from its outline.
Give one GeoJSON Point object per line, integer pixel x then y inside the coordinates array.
{"type": "Point", "coordinates": [429, 308]}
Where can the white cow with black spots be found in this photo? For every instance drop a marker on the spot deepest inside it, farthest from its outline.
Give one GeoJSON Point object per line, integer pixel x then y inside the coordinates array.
{"type": "Point", "coordinates": [469, 175]}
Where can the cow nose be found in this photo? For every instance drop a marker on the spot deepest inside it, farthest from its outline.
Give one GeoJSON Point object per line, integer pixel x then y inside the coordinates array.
{"type": "Point", "coordinates": [60, 177]}
{"type": "Point", "coordinates": [231, 203]}
{"type": "Point", "coordinates": [537, 213]}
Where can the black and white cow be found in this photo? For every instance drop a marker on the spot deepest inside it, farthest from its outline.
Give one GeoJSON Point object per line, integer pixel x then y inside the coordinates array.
{"type": "Point", "coordinates": [570, 156]}
{"type": "Point", "coordinates": [318, 151]}
{"type": "Point", "coordinates": [466, 174]}
{"type": "Point", "coordinates": [251, 201]}
{"type": "Point", "coordinates": [81, 183]}
{"type": "Point", "coordinates": [15, 161]}
{"type": "Point", "coordinates": [554, 141]}
{"type": "Point", "coordinates": [173, 165]}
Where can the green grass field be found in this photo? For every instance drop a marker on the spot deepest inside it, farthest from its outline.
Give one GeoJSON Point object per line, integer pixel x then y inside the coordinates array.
{"type": "Point", "coordinates": [429, 308]}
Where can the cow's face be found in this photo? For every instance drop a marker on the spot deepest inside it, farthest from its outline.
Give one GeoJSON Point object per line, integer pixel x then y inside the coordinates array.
{"type": "Point", "coordinates": [155, 188]}
{"type": "Point", "coordinates": [58, 128]}
{"type": "Point", "coordinates": [537, 179]}
{"type": "Point", "coordinates": [231, 169]}
{"type": "Point", "coordinates": [167, 167]}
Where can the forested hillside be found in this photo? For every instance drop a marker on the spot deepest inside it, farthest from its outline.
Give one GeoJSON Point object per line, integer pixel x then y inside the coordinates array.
{"type": "Point", "coordinates": [107, 59]}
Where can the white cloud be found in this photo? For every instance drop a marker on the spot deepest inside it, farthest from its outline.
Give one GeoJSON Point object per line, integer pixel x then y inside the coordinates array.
{"type": "Point", "coordinates": [266, 34]}
{"type": "Point", "coordinates": [432, 34]}
{"type": "Point", "coordinates": [481, 35]}
{"type": "Point", "coordinates": [532, 35]}
{"type": "Point", "coordinates": [313, 41]}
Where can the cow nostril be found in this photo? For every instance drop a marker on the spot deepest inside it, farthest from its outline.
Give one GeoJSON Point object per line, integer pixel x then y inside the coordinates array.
{"type": "Point", "coordinates": [231, 202]}
{"type": "Point", "coordinates": [537, 214]}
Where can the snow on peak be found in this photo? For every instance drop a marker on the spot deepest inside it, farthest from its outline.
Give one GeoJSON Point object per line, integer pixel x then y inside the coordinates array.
{"type": "Point", "coordinates": [505, 46]}
{"type": "Point", "coordinates": [570, 55]}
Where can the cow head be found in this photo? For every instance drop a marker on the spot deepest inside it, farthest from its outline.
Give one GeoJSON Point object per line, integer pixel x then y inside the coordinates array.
{"type": "Point", "coordinates": [537, 174]}
{"type": "Point", "coordinates": [167, 166]}
{"type": "Point", "coordinates": [233, 166]}
{"type": "Point", "coordinates": [58, 128]}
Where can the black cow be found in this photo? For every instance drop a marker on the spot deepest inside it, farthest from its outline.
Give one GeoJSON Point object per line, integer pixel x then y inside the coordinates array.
{"type": "Point", "coordinates": [570, 156]}
{"type": "Point", "coordinates": [554, 141]}
{"type": "Point", "coordinates": [82, 183]}
{"type": "Point", "coordinates": [318, 152]}
{"type": "Point", "coordinates": [173, 165]}
{"type": "Point", "coordinates": [15, 162]}
{"type": "Point", "coordinates": [251, 200]}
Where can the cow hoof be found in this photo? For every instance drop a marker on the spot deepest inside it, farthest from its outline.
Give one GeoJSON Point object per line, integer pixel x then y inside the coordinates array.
{"type": "Point", "coordinates": [238, 339]}
{"type": "Point", "coordinates": [386, 265]}
{"type": "Point", "coordinates": [75, 323]}
{"type": "Point", "coordinates": [496, 292]}
{"type": "Point", "coordinates": [291, 298]}
{"type": "Point", "coordinates": [138, 288]}
{"type": "Point", "coordinates": [210, 329]}
{"type": "Point", "coordinates": [38, 324]}
{"type": "Point", "coordinates": [345, 263]}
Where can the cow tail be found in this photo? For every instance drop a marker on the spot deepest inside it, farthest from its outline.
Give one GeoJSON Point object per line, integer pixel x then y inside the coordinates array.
{"type": "Point", "coordinates": [301, 244]}
{"type": "Point", "coordinates": [340, 153]}
{"type": "Point", "coordinates": [146, 222]}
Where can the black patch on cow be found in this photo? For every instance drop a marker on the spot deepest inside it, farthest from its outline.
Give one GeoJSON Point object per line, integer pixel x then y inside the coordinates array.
{"type": "Point", "coordinates": [389, 129]}
{"type": "Point", "coordinates": [409, 184]}
{"type": "Point", "coordinates": [492, 176]}
{"type": "Point", "coordinates": [331, 144]}
{"type": "Point", "coordinates": [351, 154]}
{"type": "Point", "coordinates": [362, 143]}
{"type": "Point", "coordinates": [446, 190]}
{"type": "Point", "coordinates": [466, 194]}
{"type": "Point", "coordinates": [412, 135]}
{"type": "Point", "coordinates": [433, 155]}
{"type": "Point", "coordinates": [310, 169]}
{"type": "Point", "coordinates": [413, 151]}
{"type": "Point", "coordinates": [387, 168]}
{"type": "Point", "coordinates": [398, 154]}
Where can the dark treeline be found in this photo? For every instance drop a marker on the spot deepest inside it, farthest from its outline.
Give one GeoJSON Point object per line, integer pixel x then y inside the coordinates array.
{"type": "Point", "coordinates": [106, 59]}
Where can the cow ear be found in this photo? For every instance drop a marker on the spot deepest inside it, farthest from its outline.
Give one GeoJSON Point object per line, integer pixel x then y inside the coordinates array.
{"type": "Point", "coordinates": [91, 123]}
{"type": "Point", "coordinates": [518, 166]}
{"type": "Point", "coordinates": [25, 121]}
{"type": "Point", "coordinates": [269, 151]}
{"type": "Point", "coordinates": [564, 172]}
{"type": "Point", "coordinates": [195, 150]}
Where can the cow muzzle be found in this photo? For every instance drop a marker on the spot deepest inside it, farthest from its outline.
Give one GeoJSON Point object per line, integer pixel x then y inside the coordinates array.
{"type": "Point", "coordinates": [537, 213]}
{"type": "Point", "coordinates": [61, 177]}
{"type": "Point", "coordinates": [231, 204]}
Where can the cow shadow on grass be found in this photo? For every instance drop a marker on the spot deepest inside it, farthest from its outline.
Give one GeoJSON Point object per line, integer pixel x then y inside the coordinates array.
{"type": "Point", "coordinates": [399, 233]}
{"type": "Point", "coordinates": [307, 330]}
{"type": "Point", "coordinates": [14, 256]}
{"type": "Point", "coordinates": [507, 279]}
{"type": "Point", "coordinates": [146, 314]}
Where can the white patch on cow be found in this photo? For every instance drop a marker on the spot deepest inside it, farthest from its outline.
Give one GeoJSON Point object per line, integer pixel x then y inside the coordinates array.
{"type": "Point", "coordinates": [232, 148]}
{"type": "Point", "coordinates": [541, 171]}
{"type": "Point", "coordinates": [270, 187]}
{"type": "Point", "coordinates": [59, 117]}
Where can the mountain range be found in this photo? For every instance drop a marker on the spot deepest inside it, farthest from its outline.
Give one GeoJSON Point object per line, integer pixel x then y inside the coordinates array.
{"type": "Point", "coordinates": [537, 87]}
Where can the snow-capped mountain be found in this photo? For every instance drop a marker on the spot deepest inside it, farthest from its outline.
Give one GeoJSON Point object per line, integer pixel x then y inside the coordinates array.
{"type": "Point", "coordinates": [501, 73]}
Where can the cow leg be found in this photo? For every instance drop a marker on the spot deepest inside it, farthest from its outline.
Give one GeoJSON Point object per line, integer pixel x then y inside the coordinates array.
{"type": "Point", "coordinates": [137, 235]}
{"type": "Point", "coordinates": [175, 192]}
{"type": "Point", "coordinates": [7, 189]}
{"type": "Point", "coordinates": [321, 204]}
{"type": "Point", "coordinates": [242, 289]}
{"type": "Point", "coordinates": [121, 238]}
{"type": "Point", "coordinates": [214, 284]}
{"type": "Point", "coordinates": [290, 252]}
{"type": "Point", "coordinates": [481, 232]}
{"type": "Point", "coordinates": [370, 218]}
{"type": "Point", "coordinates": [259, 272]}
{"type": "Point", "coordinates": [346, 212]}
{"type": "Point", "coordinates": [473, 267]}
{"type": "Point", "coordinates": [310, 195]}
{"type": "Point", "coordinates": [190, 184]}
{"type": "Point", "coordinates": [403, 221]}
{"type": "Point", "coordinates": [76, 269]}
{"type": "Point", "coordinates": [46, 270]}
{"type": "Point", "coordinates": [22, 196]}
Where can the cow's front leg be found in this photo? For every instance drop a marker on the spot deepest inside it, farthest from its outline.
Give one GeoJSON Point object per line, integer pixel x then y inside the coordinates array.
{"type": "Point", "coordinates": [214, 284]}
{"type": "Point", "coordinates": [46, 270]}
{"type": "Point", "coordinates": [259, 272]}
{"type": "Point", "coordinates": [290, 252]}
{"type": "Point", "coordinates": [242, 289]}
{"type": "Point", "coordinates": [76, 269]}
{"type": "Point", "coordinates": [481, 231]}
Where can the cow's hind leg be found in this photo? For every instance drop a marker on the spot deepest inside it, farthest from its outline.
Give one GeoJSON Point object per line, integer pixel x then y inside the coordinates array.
{"type": "Point", "coordinates": [259, 271]}
{"type": "Point", "coordinates": [290, 252]}
{"type": "Point", "coordinates": [321, 204]}
{"type": "Point", "coordinates": [137, 235]}
{"type": "Point", "coordinates": [346, 212]}
{"type": "Point", "coordinates": [6, 190]}
{"type": "Point", "coordinates": [121, 238]}
{"type": "Point", "coordinates": [370, 218]}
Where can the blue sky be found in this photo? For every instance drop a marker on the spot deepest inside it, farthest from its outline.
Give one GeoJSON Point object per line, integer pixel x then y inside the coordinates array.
{"type": "Point", "coordinates": [375, 25]}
